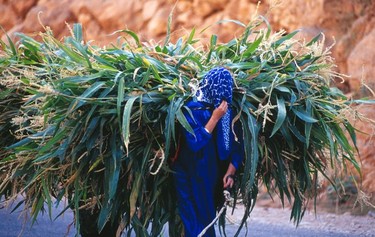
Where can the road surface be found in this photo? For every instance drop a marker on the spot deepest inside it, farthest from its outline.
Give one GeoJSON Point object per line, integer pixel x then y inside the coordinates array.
{"type": "Point", "coordinates": [264, 222]}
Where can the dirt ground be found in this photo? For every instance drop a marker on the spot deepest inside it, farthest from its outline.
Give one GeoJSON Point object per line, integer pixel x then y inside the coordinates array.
{"type": "Point", "coordinates": [322, 221]}
{"type": "Point", "coordinates": [331, 217]}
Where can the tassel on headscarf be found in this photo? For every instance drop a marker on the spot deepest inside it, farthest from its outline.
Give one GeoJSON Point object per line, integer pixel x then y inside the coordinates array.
{"type": "Point", "coordinates": [216, 86]}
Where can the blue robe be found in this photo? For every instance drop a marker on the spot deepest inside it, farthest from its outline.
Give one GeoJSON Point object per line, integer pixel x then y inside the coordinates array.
{"type": "Point", "coordinates": [198, 173]}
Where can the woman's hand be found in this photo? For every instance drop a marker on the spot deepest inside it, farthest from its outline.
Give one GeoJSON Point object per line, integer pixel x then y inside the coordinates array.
{"type": "Point", "coordinates": [228, 179]}
{"type": "Point", "coordinates": [217, 114]}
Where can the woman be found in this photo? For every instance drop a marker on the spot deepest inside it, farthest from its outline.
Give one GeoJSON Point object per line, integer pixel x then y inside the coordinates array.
{"type": "Point", "coordinates": [209, 158]}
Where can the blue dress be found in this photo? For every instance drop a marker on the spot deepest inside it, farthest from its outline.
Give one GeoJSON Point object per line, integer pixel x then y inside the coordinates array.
{"type": "Point", "coordinates": [197, 171]}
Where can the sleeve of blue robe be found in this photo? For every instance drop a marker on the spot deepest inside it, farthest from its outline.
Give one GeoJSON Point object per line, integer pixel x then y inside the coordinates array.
{"type": "Point", "coordinates": [201, 137]}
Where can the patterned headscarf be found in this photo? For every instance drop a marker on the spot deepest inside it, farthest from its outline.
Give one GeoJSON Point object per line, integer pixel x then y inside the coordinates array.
{"type": "Point", "coordinates": [215, 87]}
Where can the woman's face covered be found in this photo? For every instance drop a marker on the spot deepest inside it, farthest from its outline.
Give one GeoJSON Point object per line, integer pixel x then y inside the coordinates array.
{"type": "Point", "coordinates": [216, 86]}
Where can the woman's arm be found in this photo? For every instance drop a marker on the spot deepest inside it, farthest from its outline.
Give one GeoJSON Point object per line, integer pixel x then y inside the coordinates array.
{"type": "Point", "coordinates": [202, 134]}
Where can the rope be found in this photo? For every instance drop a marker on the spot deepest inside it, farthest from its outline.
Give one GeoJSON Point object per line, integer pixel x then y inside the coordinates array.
{"type": "Point", "coordinates": [227, 199]}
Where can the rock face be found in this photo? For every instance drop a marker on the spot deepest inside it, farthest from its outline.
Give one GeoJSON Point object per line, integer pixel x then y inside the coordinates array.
{"type": "Point", "coordinates": [350, 24]}
{"type": "Point", "coordinates": [366, 145]}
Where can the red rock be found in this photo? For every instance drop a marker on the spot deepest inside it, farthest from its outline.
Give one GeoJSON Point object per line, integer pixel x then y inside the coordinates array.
{"type": "Point", "coordinates": [361, 64]}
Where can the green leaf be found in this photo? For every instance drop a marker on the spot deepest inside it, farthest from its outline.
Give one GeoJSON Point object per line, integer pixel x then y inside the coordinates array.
{"type": "Point", "coordinates": [314, 40]}
{"type": "Point", "coordinates": [77, 31]}
{"type": "Point", "coordinates": [80, 79]}
{"type": "Point", "coordinates": [213, 41]}
{"type": "Point", "coordinates": [81, 49]}
{"type": "Point", "coordinates": [308, 126]}
{"type": "Point", "coordinates": [70, 54]}
{"type": "Point", "coordinates": [243, 65]}
{"type": "Point", "coordinates": [113, 167]}
{"type": "Point", "coordinates": [125, 128]}
{"type": "Point", "coordinates": [296, 132]}
{"type": "Point", "coordinates": [133, 35]}
{"type": "Point", "coordinates": [281, 115]}
{"type": "Point", "coordinates": [47, 197]}
{"type": "Point", "coordinates": [284, 38]}
{"type": "Point", "coordinates": [81, 100]}
{"type": "Point", "coordinates": [189, 41]}
{"type": "Point", "coordinates": [55, 139]}
{"type": "Point", "coordinates": [269, 27]}
{"type": "Point", "coordinates": [168, 35]}
{"type": "Point", "coordinates": [329, 137]}
{"type": "Point", "coordinates": [134, 194]}
{"type": "Point", "coordinates": [10, 42]}
{"type": "Point", "coordinates": [120, 94]}
{"type": "Point", "coordinates": [304, 115]}
{"type": "Point", "coordinates": [104, 216]}
{"type": "Point", "coordinates": [253, 46]}
{"type": "Point", "coordinates": [182, 120]}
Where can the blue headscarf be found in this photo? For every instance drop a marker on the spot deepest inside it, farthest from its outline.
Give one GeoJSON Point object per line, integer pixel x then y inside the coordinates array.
{"type": "Point", "coordinates": [216, 86]}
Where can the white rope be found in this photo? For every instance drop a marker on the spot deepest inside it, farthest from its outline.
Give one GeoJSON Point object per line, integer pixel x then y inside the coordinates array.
{"type": "Point", "coordinates": [227, 199]}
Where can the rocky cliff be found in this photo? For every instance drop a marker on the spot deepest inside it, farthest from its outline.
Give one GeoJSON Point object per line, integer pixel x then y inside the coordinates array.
{"type": "Point", "coordinates": [350, 25]}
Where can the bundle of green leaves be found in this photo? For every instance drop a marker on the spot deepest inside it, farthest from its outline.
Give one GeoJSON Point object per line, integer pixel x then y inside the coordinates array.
{"type": "Point", "coordinates": [98, 125]}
